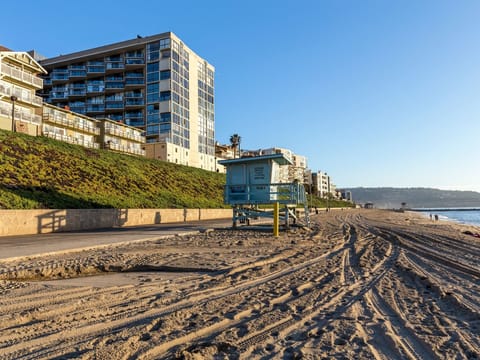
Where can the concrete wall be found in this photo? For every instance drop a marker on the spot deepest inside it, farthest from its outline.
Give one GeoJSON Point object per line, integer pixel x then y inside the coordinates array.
{"type": "Point", "coordinates": [28, 222]}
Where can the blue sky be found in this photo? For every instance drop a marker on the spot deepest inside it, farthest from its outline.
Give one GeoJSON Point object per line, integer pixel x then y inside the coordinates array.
{"type": "Point", "coordinates": [375, 93]}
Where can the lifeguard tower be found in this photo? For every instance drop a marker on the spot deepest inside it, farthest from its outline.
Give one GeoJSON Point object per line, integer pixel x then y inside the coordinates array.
{"type": "Point", "coordinates": [253, 187]}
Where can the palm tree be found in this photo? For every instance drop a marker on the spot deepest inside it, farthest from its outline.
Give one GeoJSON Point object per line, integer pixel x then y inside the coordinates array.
{"type": "Point", "coordinates": [235, 141]}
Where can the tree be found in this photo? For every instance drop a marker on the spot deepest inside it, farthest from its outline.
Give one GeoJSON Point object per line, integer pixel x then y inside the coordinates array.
{"type": "Point", "coordinates": [235, 141]}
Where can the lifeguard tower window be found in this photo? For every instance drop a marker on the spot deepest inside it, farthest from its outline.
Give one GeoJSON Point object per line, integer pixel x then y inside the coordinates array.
{"type": "Point", "coordinates": [255, 181]}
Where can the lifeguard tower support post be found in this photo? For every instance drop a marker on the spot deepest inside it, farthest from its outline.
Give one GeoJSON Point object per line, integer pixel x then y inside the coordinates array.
{"type": "Point", "coordinates": [255, 181]}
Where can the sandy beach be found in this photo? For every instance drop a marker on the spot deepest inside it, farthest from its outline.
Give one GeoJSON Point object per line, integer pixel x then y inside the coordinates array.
{"type": "Point", "coordinates": [360, 284]}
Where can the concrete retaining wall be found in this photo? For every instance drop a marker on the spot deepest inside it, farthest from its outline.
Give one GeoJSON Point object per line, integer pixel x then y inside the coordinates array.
{"type": "Point", "coordinates": [28, 222]}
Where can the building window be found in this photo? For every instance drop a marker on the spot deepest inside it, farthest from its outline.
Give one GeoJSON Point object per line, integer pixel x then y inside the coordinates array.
{"type": "Point", "coordinates": [165, 95]}
{"type": "Point", "coordinates": [164, 43]}
{"type": "Point", "coordinates": [165, 74]}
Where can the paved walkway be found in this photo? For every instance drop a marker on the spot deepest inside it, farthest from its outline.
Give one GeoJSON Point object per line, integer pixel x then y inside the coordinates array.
{"type": "Point", "coordinates": [30, 245]}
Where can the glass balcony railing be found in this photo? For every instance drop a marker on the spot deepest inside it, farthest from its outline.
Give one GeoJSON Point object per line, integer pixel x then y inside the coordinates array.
{"type": "Point", "coordinates": [114, 85]}
{"type": "Point", "coordinates": [77, 73]}
{"type": "Point", "coordinates": [114, 105]}
{"type": "Point", "coordinates": [78, 109]}
{"type": "Point", "coordinates": [134, 102]}
{"type": "Point", "coordinates": [134, 61]}
{"type": "Point", "coordinates": [134, 81]}
{"type": "Point", "coordinates": [114, 66]}
{"type": "Point", "coordinates": [77, 92]}
{"type": "Point", "coordinates": [74, 123]}
{"type": "Point", "coordinates": [95, 88]}
{"type": "Point", "coordinates": [60, 77]}
{"type": "Point", "coordinates": [95, 69]}
{"type": "Point", "coordinates": [76, 67]}
{"type": "Point", "coordinates": [59, 95]}
{"type": "Point", "coordinates": [95, 108]}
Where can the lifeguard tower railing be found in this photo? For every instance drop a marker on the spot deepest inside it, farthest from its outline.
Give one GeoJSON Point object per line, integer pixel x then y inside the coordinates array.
{"type": "Point", "coordinates": [246, 201]}
{"type": "Point", "coordinates": [283, 193]}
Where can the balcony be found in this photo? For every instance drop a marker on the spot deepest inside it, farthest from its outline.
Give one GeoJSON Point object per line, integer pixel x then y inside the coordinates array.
{"type": "Point", "coordinates": [134, 82]}
{"type": "Point", "coordinates": [77, 93]}
{"type": "Point", "coordinates": [134, 63]}
{"type": "Point", "coordinates": [98, 108]}
{"type": "Point", "coordinates": [114, 85]}
{"type": "Point", "coordinates": [95, 88]}
{"type": "Point", "coordinates": [28, 98]}
{"type": "Point", "coordinates": [80, 109]}
{"type": "Point", "coordinates": [71, 140]}
{"type": "Point", "coordinates": [95, 70]}
{"type": "Point", "coordinates": [59, 77]}
{"type": "Point", "coordinates": [20, 115]}
{"type": "Point", "coordinates": [22, 76]}
{"type": "Point", "coordinates": [116, 131]}
{"type": "Point", "coordinates": [72, 74]}
{"type": "Point", "coordinates": [95, 67]}
{"type": "Point", "coordinates": [114, 105]}
{"type": "Point", "coordinates": [59, 95]}
{"type": "Point", "coordinates": [124, 148]}
{"type": "Point", "coordinates": [75, 123]}
{"type": "Point", "coordinates": [114, 66]}
{"type": "Point", "coordinates": [129, 102]}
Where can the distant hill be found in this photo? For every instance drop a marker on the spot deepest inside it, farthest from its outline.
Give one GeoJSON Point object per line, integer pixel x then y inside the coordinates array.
{"type": "Point", "coordinates": [392, 198]}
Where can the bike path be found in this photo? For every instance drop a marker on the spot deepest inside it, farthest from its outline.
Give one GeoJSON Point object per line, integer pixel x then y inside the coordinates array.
{"type": "Point", "coordinates": [19, 246]}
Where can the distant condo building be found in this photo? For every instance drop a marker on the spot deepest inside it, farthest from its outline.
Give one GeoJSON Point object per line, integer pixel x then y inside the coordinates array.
{"type": "Point", "coordinates": [19, 106]}
{"type": "Point", "coordinates": [153, 83]}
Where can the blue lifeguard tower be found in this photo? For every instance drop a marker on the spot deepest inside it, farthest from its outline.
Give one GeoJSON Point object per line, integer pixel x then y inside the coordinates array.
{"type": "Point", "coordinates": [254, 185]}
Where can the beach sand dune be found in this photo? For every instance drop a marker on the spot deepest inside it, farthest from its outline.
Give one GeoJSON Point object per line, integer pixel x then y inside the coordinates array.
{"type": "Point", "coordinates": [362, 284]}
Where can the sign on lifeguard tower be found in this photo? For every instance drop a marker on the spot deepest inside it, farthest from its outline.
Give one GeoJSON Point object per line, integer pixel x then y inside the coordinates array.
{"type": "Point", "coordinates": [254, 181]}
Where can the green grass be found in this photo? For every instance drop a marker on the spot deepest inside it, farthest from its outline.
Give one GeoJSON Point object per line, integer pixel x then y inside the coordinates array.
{"type": "Point", "coordinates": [37, 172]}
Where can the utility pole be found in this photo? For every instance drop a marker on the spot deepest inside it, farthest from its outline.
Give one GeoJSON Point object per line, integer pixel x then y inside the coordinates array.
{"type": "Point", "coordinates": [13, 98]}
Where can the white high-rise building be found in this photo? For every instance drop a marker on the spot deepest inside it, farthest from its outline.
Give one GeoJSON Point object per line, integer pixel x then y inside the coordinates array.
{"type": "Point", "coordinates": [155, 83]}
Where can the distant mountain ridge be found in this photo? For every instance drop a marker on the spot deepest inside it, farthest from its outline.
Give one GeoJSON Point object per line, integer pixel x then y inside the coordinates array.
{"type": "Point", "coordinates": [392, 198]}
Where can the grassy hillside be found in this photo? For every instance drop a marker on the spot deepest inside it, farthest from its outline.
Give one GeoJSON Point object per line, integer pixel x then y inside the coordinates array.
{"type": "Point", "coordinates": [37, 172]}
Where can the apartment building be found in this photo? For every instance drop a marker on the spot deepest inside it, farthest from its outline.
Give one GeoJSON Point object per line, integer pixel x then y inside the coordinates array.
{"type": "Point", "coordinates": [289, 173]}
{"type": "Point", "coordinates": [321, 183]}
{"type": "Point", "coordinates": [154, 83]}
{"type": "Point", "coordinates": [18, 83]}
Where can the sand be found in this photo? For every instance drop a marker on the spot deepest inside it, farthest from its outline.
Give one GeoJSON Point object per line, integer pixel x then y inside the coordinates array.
{"type": "Point", "coordinates": [363, 284]}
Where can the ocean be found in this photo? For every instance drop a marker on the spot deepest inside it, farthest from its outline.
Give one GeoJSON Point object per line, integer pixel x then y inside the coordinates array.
{"type": "Point", "coordinates": [464, 216]}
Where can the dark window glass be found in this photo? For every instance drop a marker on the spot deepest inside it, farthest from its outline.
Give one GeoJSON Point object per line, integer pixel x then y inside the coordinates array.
{"type": "Point", "coordinates": [165, 74]}
{"type": "Point", "coordinates": [165, 117]}
{"type": "Point", "coordinates": [152, 67]}
{"type": "Point", "coordinates": [165, 95]}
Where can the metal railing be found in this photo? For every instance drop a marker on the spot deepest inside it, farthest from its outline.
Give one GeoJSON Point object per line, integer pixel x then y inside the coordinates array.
{"type": "Point", "coordinates": [118, 132]}
{"type": "Point", "coordinates": [124, 148]}
{"type": "Point", "coordinates": [79, 125]}
{"type": "Point", "coordinates": [71, 140]}
{"type": "Point", "coordinates": [254, 194]}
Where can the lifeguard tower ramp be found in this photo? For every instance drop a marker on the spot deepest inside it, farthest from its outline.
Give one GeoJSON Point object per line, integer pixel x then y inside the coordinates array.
{"type": "Point", "coordinates": [254, 185]}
